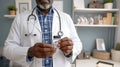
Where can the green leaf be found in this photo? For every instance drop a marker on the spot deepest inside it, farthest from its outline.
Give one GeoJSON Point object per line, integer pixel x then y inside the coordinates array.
{"type": "Point", "coordinates": [108, 1]}
{"type": "Point", "coordinates": [11, 7]}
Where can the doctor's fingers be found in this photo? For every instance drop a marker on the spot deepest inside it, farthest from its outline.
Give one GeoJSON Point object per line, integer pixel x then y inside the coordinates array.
{"type": "Point", "coordinates": [44, 45]}
{"type": "Point", "coordinates": [65, 43]}
{"type": "Point", "coordinates": [46, 50]}
{"type": "Point", "coordinates": [43, 54]}
{"type": "Point", "coordinates": [65, 39]}
{"type": "Point", "coordinates": [66, 48]}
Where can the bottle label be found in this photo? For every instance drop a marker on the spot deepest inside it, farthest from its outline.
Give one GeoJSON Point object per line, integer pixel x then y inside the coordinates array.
{"type": "Point", "coordinates": [55, 41]}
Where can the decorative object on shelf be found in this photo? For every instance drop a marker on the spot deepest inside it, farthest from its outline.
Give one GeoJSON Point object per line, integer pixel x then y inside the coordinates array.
{"type": "Point", "coordinates": [91, 20]}
{"type": "Point", "coordinates": [80, 56]}
{"type": "Point", "coordinates": [78, 4]}
{"type": "Point", "coordinates": [108, 4]}
{"type": "Point", "coordinates": [86, 55]}
{"type": "Point", "coordinates": [23, 5]}
{"type": "Point", "coordinates": [95, 4]}
{"type": "Point", "coordinates": [115, 19]}
{"type": "Point", "coordinates": [117, 46]}
{"type": "Point", "coordinates": [100, 52]}
{"type": "Point", "coordinates": [107, 19]}
{"type": "Point", "coordinates": [116, 53]}
{"type": "Point", "coordinates": [103, 55]}
{"type": "Point", "coordinates": [104, 64]}
{"type": "Point", "coordinates": [12, 9]}
{"type": "Point", "coordinates": [82, 20]}
{"type": "Point", "coordinates": [100, 45]}
{"type": "Point", "coordinates": [100, 19]}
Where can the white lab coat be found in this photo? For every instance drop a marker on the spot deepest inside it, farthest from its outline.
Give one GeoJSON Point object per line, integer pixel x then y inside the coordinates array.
{"type": "Point", "coordinates": [17, 44]}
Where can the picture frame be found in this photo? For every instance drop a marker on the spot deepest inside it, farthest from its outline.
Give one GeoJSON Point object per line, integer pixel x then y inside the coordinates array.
{"type": "Point", "coordinates": [23, 5]}
{"type": "Point", "coordinates": [104, 64]}
{"type": "Point", "coordinates": [79, 4]}
{"type": "Point", "coordinates": [100, 45]}
{"type": "Point", "coordinates": [58, 4]}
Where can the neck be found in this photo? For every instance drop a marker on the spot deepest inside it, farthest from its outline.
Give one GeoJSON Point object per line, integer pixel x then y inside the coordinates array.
{"type": "Point", "coordinates": [44, 11]}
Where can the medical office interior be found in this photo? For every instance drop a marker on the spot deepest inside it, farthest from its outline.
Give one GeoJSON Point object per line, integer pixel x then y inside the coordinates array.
{"type": "Point", "coordinates": [98, 28]}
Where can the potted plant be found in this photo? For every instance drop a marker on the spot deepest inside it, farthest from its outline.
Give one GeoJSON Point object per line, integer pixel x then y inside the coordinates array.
{"type": "Point", "coordinates": [108, 4]}
{"type": "Point", "coordinates": [116, 53]}
{"type": "Point", "coordinates": [12, 9]}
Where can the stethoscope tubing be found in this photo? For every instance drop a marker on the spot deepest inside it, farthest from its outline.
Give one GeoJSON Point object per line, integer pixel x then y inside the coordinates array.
{"type": "Point", "coordinates": [60, 32]}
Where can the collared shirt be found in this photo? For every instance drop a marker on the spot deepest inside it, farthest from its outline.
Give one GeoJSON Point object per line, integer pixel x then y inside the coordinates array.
{"type": "Point", "coordinates": [46, 27]}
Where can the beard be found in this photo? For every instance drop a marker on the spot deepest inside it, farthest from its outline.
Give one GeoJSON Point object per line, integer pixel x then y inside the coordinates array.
{"type": "Point", "coordinates": [45, 6]}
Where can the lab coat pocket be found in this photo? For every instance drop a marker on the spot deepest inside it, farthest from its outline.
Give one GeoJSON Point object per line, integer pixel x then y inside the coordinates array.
{"type": "Point", "coordinates": [29, 39]}
{"type": "Point", "coordinates": [26, 41]}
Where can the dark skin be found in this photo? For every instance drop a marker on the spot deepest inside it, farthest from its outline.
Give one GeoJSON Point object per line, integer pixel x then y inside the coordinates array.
{"type": "Point", "coordinates": [43, 50]}
{"type": "Point", "coordinates": [65, 45]}
{"type": "Point", "coordinates": [44, 3]}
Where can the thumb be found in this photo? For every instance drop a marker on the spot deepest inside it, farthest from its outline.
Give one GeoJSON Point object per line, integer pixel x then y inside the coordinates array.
{"type": "Point", "coordinates": [58, 45]}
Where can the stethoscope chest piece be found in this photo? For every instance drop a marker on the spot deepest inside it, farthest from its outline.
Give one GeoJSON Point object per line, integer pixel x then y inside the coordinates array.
{"type": "Point", "coordinates": [60, 33]}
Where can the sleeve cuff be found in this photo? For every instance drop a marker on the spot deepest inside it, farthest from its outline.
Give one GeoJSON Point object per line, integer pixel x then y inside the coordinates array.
{"type": "Point", "coordinates": [29, 59]}
{"type": "Point", "coordinates": [69, 55]}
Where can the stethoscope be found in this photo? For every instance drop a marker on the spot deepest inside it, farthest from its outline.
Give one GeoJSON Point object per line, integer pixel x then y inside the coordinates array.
{"type": "Point", "coordinates": [60, 32]}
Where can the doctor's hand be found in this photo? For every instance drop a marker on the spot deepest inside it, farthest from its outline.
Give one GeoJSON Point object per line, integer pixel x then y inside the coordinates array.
{"type": "Point", "coordinates": [41, 50]}
{"type": "Point", "coordinates": [66, 45]}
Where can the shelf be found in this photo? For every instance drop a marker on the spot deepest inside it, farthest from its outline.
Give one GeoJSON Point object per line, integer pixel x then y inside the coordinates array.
{"type": "Point", "coordinates": [92, 62]}
{"type": "Point", "coordinates": [78, 25]}
{"type": "Point", "coordinates": [10, 16]}
{"type": "Point", "coordinates": [94, 10]}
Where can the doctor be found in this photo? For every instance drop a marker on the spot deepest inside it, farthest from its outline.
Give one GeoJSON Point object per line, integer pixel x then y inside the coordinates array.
{"type": "Point", "coordinates": [30, 40]}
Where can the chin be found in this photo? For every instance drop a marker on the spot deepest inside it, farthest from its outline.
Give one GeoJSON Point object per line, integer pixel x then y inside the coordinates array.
{"type": "Point", "coordinates": [45, 7]}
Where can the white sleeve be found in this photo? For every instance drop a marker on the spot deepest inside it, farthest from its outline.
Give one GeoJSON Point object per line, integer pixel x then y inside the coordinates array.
{"type": "Point", "coordinates": [77, 44]}
{"type": "Point", "coordinates": [12, 49]}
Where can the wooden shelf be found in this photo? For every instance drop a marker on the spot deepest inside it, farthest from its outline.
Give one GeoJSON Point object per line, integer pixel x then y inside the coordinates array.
{"type": "Point", "coordinates": [78, 25]}
{"type": "Point", "coordinates": [10, 16]}
{"type": "Point", "coordinates": [95, 10]}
